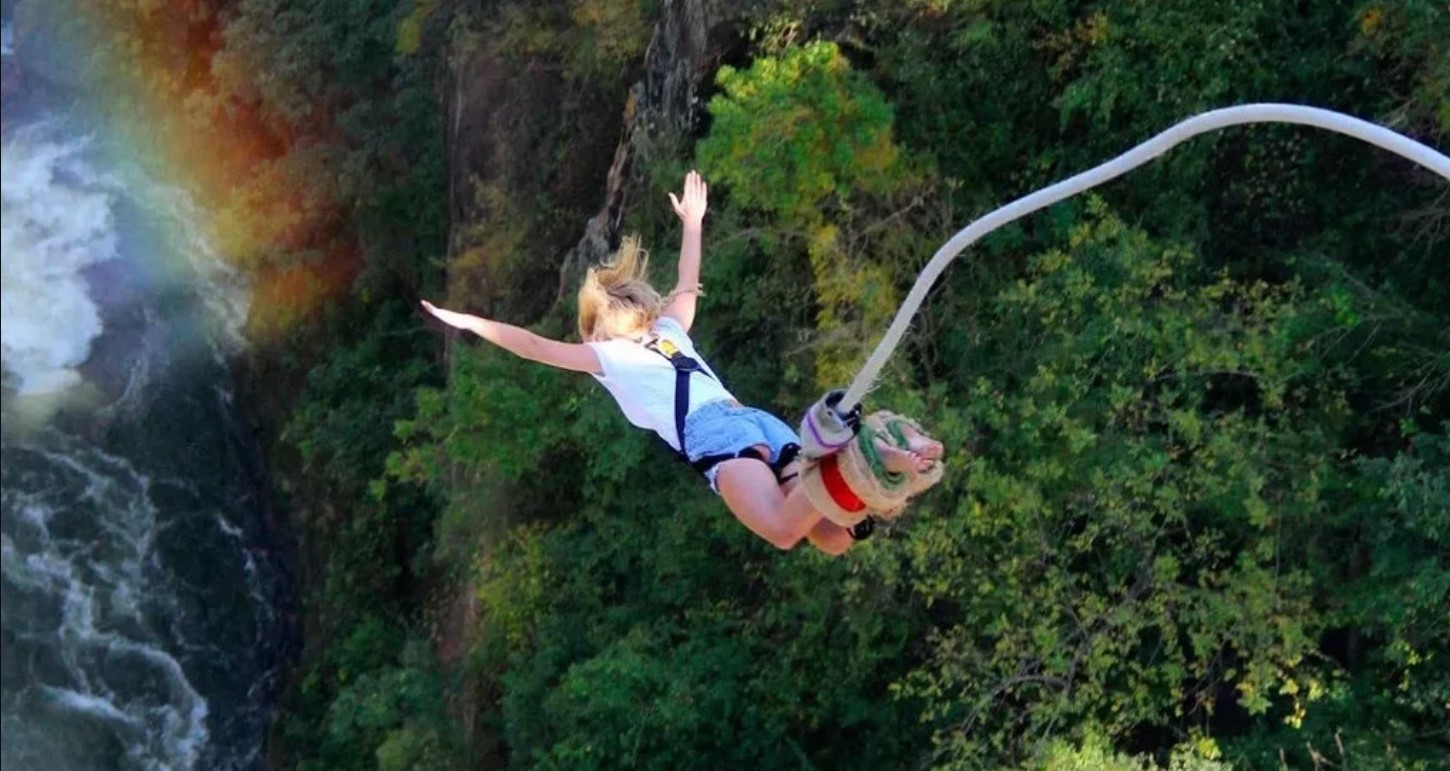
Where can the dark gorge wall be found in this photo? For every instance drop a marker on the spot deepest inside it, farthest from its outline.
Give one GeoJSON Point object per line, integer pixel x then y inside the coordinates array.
{"type": "Point", "coordinates": [544, 160]}
{"type": "Point", "coordinates": [665, 101]}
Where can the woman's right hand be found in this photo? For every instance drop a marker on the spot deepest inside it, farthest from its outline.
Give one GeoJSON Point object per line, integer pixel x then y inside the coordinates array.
{"type": "Point", "coordinates": [692, 204]}
{"type": "Point", "coordinates": [451, 318]}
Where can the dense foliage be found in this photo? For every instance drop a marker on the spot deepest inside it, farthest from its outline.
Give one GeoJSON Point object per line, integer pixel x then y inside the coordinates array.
{"type": "Point", "coordinates": [1198, 507]}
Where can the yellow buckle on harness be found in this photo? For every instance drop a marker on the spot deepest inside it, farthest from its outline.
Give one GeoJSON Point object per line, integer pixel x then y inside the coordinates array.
{"type": "Point", "coordinates": [665, 346]}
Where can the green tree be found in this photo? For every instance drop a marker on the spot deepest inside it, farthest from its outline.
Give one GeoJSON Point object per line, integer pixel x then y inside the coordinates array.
{"type": "Point", "coordinates": [793, 131]}
{"type": "Point", "coordinates": [1121, 548]}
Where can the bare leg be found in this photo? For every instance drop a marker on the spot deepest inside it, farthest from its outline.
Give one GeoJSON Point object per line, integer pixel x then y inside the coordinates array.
{"type": "Point", "coordinates": [827, 536]}
{"type": "Point", "coordinates": [755, 498]}
{"type": "Point", "coordinates": [783, 515]}
{"type": "Point", "coordinates": [830, 538]}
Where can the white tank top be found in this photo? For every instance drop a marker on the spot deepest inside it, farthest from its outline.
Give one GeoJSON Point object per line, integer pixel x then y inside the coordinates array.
{"type": "Point", "coordinates": [643, 381]}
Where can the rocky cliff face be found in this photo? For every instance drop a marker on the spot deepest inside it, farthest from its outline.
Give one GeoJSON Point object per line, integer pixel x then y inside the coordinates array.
{"type": "Point", "coordinates": [508, 151]}
{"type": "Point", "coordinates": [684, 50]}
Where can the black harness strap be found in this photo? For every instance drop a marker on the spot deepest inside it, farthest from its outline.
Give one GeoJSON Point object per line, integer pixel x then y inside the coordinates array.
{"type": "Point", "coordinates": [685, 366]}
{"type": "Point", "coordinates": [788, 454]}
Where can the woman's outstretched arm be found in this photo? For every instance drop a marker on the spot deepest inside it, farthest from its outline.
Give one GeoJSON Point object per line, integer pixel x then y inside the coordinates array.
{"type": "Point", "coordinates": [691, 209]}
{"type": "Point", "coordinates": [522, 342]}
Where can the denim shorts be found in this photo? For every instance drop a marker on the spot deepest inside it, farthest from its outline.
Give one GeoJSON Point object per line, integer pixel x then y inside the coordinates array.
{"type": "Point", "coordinates": [726, 428]}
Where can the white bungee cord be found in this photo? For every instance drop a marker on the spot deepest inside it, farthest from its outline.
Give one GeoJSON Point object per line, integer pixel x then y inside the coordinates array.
{"type": "Point", "coordinates": [826, 426]}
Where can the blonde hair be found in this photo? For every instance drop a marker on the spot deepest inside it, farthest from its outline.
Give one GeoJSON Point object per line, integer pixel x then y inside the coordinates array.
{"type": "Point", "coordinates": [616, 299]}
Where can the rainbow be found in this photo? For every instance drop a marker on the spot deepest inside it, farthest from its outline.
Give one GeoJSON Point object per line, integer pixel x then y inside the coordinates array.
{"type": "Point", "coordinates": [189, 113]}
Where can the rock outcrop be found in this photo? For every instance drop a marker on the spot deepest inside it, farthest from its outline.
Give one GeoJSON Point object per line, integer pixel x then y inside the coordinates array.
{"type": "Point", "coordinates": [685, 48]}
{"type": "Point", "coordinates": [508, 152]}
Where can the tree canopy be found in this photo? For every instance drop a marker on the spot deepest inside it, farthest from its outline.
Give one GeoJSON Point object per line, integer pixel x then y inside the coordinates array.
{"type": "Point", "coordinates": [1197, 511]}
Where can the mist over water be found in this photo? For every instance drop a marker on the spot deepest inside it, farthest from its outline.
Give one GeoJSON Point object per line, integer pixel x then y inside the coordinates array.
{"type": "Point", "coordinates": [57, 222]}
{"type": "Point", "coordinates": [138, 628]}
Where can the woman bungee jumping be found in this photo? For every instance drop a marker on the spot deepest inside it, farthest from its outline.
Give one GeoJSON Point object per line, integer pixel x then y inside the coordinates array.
{"type": "Point", "coordinates": [637, 344]}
